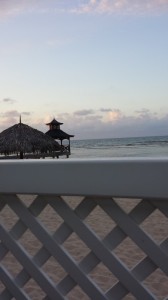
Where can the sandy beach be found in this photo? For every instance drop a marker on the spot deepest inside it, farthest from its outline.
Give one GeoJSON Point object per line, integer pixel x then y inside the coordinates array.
{"type": "Point", "coordinates": [155, 225]}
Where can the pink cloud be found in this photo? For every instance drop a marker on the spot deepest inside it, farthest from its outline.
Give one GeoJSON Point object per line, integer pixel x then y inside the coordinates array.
{"type": "Point", "coordinates": [14, 7]}
{"type": "Point", "coordinates": [102, 123]}
{"type": "Point", "coordinates": [124, 6]}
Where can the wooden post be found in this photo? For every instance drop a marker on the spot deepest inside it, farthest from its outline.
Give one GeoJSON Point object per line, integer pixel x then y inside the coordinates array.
{"type": "Point", "coordinates": [69, 147]}
{"type": "Point", "coordinates": [21, 154]}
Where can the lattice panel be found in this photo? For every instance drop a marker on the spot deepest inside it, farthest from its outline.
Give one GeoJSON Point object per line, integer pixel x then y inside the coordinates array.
{"type": "Point", "coordinates": [83, 248]}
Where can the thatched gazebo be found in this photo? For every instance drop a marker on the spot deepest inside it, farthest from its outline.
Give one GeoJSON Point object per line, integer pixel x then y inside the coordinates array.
{"type": "Point", "coordinates": [56, 133]}
{"type": "Point", "coordinates": [21, 139]}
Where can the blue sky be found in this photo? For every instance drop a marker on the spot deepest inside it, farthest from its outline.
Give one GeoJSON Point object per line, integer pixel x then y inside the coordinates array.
{"type": "Point", "coordinates": [98, 66]}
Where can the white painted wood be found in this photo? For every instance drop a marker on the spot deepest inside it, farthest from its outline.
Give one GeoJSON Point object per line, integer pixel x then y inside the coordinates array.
{"type": "Point", "coordinates": [108, 258]}
{"type": "Point", "coordinates": [49, 179]}
{"type": "Point", "coordinates": [74, 222]}
{"type": "Point", "coordinates": [54, 248]}
{"type": "Point", "coordinates": [10, 282]}
{"type": "Point", "coordinates": [26, 261]}
{"type": "Point", "coordinates": [137, 177]}
{"type": "Point", "coordinates": [143, 240]}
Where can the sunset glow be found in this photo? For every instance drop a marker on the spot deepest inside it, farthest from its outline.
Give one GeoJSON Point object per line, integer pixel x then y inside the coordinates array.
{"type": "Point", "coordinates": [91, 64]}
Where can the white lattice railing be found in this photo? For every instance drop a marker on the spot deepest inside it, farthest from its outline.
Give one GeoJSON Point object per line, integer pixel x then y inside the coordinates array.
{"type": "Point", "coordinates": [77, 229]}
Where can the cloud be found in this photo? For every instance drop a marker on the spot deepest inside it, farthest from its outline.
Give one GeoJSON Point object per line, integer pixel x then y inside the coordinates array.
{"type": "Point", "coordinates": [124, 6]}
{"type": "Point", "coordinates": [90, 123]}
{"type": "Point", "coordinates": [145, 114]}
{"type": "Point", "coordinates": [84, 112]}
{"type": "Point", "coordinates": [126, 126]}
{"type": "Point", "coordinates": [10, 113]}
{"type": "Point", "coordinates": [142, 111]}
{"type": "Point", "coordinates": [105, 109]}
{"type": "Point", "coordinates": [11, 117]}
{"type": "Point", "coordinates": [113, 115]}
{"type": "Point", "coordinates": [26, 113]}
{"type": "Point", "coordinates": [114, 123]}
{"type": "Point", "coordinates": [10, 8]}
{"type": "Point", "coordinates": [9, 100]}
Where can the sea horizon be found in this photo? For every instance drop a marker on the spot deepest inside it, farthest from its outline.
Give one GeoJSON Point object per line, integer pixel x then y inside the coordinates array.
{"type": "Point", "coordinates": [121, 137]}
{"type": "Point", "coordinates": [145, 146]}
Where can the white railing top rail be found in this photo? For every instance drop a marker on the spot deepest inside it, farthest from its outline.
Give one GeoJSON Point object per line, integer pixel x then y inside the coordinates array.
{"type": "Point", "coordinates": [119, 177]}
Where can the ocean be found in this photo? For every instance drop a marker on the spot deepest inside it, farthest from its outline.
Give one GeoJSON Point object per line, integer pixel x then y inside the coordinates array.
{"type": "Point", "coordinates": [155, 146]}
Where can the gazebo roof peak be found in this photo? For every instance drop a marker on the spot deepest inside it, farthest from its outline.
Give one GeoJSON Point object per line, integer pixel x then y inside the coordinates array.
{"type": "Point", "coordinates": [54, 122]}
{"type": "Point", "coordinates": [55, 132]}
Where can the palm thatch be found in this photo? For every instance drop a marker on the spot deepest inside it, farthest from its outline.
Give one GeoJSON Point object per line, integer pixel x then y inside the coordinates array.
{"type": "Point", "coordinates": [58, 134]}
{"type": "Point", "coordinates": [21, 138]}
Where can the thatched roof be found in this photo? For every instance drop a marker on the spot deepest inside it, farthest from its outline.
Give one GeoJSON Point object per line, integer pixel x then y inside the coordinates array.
{"type": "Point", "coordinates": [21, 137]}
{"type": "Point", "coordinates": [58, 134]}
{"type": "Point", "coordinates": [54, 122]}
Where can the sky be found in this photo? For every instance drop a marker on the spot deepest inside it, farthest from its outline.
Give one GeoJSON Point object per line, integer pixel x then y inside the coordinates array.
{"type": "Point", "coordinates": [98, 66]}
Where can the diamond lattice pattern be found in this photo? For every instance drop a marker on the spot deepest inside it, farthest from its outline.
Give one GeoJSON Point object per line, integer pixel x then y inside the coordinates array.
{"type": "Point", "coordinates": [55, 247]}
